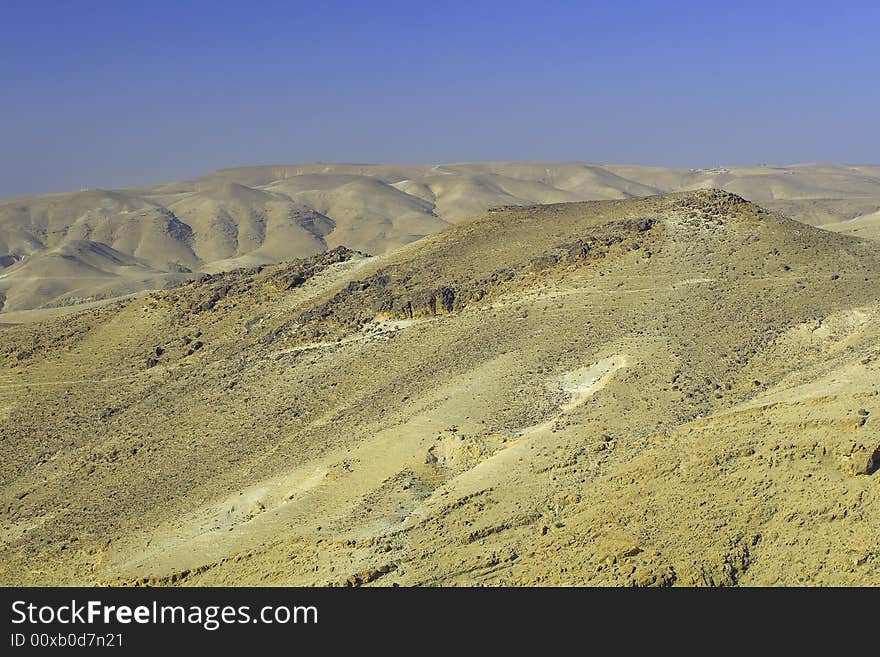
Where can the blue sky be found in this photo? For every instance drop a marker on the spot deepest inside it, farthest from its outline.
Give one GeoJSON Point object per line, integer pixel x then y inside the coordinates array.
{"type": "Point", "coordinates": [110, 94]}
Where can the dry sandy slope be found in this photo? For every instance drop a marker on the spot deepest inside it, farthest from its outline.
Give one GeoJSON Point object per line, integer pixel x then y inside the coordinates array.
{"type": "Point", "coordinates": [676, 390]}
{"type": "Point", "coordinates": [258, 215]}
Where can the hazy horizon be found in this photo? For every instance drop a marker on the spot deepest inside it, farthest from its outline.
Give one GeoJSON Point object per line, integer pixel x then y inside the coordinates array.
{"type": "Point", "coordinates": [111, 96]}
{"type": "Point", "coordinates": [199, 174]}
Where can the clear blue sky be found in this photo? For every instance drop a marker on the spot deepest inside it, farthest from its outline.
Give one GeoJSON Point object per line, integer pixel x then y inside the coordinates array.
{"type": "Point", "coordinates": [109, 94]}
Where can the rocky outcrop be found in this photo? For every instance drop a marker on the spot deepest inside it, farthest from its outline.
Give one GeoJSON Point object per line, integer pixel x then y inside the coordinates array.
{"type": "Point", "coordinates": [864, 459]}
{"type": "Point", "coordinates": [394, 293]}
{"type": "Point", "coordinates": [203, 294]}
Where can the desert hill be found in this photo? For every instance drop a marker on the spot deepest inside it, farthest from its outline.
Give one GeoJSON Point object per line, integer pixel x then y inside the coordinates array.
{"type": "Point", "coordinates": [260, 215]}
{"type": "Point", "coordinates": [673, 390]}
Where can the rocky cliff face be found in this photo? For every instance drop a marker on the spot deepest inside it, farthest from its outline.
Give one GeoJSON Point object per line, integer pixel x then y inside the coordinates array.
{"type": "Point", "coordinates": [396, 293]}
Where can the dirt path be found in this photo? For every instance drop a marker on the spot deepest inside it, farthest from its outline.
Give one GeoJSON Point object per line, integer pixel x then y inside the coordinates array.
{"type": "Point", "coordinates": [71, 382]}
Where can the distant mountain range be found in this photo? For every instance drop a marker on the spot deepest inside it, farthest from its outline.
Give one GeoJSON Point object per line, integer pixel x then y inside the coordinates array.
{"type": "Point", "coordinates": [61, 249]}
